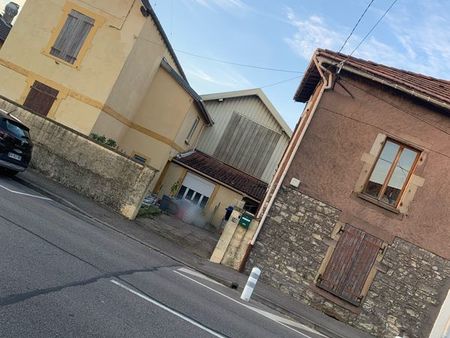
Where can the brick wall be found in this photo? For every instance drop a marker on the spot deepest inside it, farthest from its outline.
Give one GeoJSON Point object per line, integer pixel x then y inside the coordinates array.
{"type": "Point", "coordinates": [293, 243]}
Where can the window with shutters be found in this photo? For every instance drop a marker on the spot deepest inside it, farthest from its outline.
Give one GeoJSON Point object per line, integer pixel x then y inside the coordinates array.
{"type": "Point", "coordinates": [40, 98]}
{"type": "Point", "coordinates": [351, 262]}
{"type": "Point", "coordinates": [71, 38]}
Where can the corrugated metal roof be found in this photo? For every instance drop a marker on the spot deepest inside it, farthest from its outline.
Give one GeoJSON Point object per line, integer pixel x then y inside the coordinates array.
{"type": "Point", "coordinates": [432, 88]}
{"type": "Point", "coordinates": [222, 173]}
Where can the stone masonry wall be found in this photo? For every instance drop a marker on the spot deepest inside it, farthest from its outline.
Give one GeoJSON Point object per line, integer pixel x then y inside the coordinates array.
{"type": "Point", "coordinates": [79, 163]}
{"type": "Point", "coordinates": [405, 295]}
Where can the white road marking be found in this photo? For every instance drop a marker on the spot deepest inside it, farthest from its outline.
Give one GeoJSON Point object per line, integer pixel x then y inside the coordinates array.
{"type": "Point", "coordinates": [280, 320]}
{"type": "Point", "coordinates": [25, 194]}
{"type": "Point", "coordinates": [198, 274]}
{"type": "Point", "coordinates": [162, 306]}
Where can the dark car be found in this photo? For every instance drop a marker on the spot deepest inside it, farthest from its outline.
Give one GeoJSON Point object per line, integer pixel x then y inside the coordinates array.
{"type": "Point", "coordinates": [15, 144]}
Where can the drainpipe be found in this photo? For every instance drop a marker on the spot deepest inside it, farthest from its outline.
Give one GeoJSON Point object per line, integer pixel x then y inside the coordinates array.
{"type": "Point", "coordinates": [327, 84]}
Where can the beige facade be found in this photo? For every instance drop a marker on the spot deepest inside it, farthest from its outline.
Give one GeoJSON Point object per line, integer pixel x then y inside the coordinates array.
{"type": "Point", "coordinates": [125, 82]}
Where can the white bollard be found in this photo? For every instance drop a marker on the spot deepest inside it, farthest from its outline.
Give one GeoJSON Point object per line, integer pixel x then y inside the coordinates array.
{"type": "Point", "coordinates": [251, 283]}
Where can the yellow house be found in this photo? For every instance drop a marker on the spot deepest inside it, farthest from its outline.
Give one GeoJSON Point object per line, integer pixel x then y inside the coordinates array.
{"type": "Point", "coordinates": [104, 67]}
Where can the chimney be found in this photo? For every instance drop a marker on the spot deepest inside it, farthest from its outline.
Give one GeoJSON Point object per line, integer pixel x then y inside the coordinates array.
{"type": "Point", "coordinates": [11, 10]}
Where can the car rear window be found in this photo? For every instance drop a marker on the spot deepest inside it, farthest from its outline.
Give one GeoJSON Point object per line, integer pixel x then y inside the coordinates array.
{"type": "Point", "coordinates": [17, 130]}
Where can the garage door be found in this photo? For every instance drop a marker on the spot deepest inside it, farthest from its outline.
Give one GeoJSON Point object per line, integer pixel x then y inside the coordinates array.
{"type": "Point", "coordinates": [196, 189]}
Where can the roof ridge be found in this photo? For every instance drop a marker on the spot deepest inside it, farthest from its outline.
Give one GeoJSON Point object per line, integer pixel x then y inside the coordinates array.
{"type": "Point", "coordinates": [353, 58]}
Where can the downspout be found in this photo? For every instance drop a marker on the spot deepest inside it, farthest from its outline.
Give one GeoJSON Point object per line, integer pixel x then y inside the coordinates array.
{"type": "Point", "coordinates": [327, 84]}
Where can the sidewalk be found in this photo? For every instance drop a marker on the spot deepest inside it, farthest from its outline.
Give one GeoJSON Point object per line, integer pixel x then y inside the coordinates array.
{"type": "Point", "coordinates": [146, 235]}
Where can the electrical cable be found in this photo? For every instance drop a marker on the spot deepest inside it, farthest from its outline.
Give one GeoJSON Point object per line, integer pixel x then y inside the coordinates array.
{"type": "Point", "coordinates": [374, 126]}
{"type": "Point", "coordinates": [394, 106]}
{"type": "Point", "coordinates": [356, 25]}
{"type": "Point", "coordinates": [373, 27]}
{"type": "Point", "coordinates": [225, 61]}
{"type": "Point", "coordinates": [280, 82]}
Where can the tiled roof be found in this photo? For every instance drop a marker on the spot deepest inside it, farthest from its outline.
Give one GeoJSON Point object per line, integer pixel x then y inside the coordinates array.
{"type": "Point", "coordinates": [427, 86]}
{"type": "Point", "coordinates": [222, 173]}
{"type": "Point", "coordinates": [4, 30]}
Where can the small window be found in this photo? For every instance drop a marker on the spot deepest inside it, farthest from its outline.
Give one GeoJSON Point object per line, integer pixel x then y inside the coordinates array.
{"type": "Point", "coordinates": [40, 99]}
{"type": "Point", "coordinates": [192, 131]}
{"type": "Point", "coordinates": [391, 172]}
{"type": "Point", "coordinates": [139, 159]}
{"type": "Point", "coordinates": [204, 201]}
{"type": "Point", "coordinates": [351, 262]}
{"type": "Point", "coordinates": [181, 192]}
{"type": "Point", "coordinates": [72, 36]}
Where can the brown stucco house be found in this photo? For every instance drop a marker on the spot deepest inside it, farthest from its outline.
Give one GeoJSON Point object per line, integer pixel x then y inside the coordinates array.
{"type": "Point", "coordinates": [356, 220]}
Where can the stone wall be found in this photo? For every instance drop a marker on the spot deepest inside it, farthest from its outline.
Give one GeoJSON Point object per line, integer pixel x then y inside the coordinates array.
{"type": "Point", "coordinates": [407, 290]}
{"type": "Point", "coordinates": [77, 162]}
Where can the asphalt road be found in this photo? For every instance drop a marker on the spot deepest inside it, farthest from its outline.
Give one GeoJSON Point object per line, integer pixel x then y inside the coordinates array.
{"type": "Point", "coordinates": [62, 275]}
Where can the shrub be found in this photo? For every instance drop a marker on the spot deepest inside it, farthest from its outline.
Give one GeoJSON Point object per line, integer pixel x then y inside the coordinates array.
{"type": "Point", "coordinates": [103, 140]}
{"type": "Point", "coordinates": [149, 211]}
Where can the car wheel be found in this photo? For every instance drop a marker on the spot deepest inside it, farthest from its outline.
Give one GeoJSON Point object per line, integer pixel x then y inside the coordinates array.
{"type": "Point", "coordinates": [9, 172]}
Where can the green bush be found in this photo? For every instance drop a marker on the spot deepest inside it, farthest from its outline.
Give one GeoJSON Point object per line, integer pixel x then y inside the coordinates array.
{"type": "Point", "coordinates": [149, 211]}
{"type": "Point", "coordinates": [103, 140]}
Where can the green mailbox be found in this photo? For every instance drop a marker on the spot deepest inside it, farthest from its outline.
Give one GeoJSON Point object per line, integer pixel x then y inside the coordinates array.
{"type": "Point", "coordinates": [245, 220]}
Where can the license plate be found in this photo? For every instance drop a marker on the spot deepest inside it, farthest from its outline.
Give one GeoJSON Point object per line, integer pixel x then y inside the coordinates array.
{"type": "Point", "coordinates": [15, 156]}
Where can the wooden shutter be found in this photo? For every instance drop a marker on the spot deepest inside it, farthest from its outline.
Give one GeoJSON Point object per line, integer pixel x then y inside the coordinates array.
{"type": "Point", "coordinates": [350, 264]}
{"type": "Point", "coordinates": [72, 36]}
{"type": "Point", "coordinates": [40, 99]}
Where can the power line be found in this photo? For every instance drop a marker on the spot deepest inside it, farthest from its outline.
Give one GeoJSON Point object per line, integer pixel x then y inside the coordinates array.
{"type": "Point", "coordinates": [280, 82]}
{"type": "Point", "coordinates": [374, 126]}
{"type": "Point", "coordinates": [356, 25]}
{"type": "Point", "coordinates": [237, 63]}
{"type": "Point", "coordinates": [300, 74]}
{"type": "Point", "coordinates": [373, 28]}
{"type": "Point", "coordinates": [225, 61]}
{"type": "Point", "coordinates": [394, 106]}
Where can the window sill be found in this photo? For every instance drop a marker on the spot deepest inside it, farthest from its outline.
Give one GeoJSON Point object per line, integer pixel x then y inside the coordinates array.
{"type": "Point", "coordinates": [378, 203]}
{"type": "Point", "coordinates": [75, 65]}
{"type": "Point", "coordinates": [336, 300]}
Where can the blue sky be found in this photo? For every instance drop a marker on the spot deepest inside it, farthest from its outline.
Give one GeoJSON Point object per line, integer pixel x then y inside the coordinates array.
{"type": "Point", "coordinates": [284, 33]}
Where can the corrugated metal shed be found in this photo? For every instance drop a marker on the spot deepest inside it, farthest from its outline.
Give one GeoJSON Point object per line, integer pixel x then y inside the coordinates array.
{"type": "Point", "coordinates": [253, 109]}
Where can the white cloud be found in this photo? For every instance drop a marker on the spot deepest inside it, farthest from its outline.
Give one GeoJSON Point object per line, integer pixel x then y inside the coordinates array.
{"type": "Point", "coordinates": [225, 4]}
{"type": "Point", "coordinates": [222, 78]}
{"type": "Point", "coordinates": [420, 45]}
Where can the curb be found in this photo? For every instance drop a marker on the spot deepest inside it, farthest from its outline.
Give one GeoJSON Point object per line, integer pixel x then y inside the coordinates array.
{"type": "Point", "coordinates": [228, 283]}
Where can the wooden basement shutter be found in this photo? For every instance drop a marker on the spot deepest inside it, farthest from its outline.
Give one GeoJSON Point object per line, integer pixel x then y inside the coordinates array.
{"type": "Point", "coordinates": [72, 36]}
{"type": "Point", "coordinates": [40, 99]}
{"type": "Point", "coordinates": [350, 264]}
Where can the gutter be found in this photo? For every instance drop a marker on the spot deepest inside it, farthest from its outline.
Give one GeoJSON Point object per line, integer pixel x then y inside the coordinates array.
{"type": "Point", "coordinates": [326, 84]}
{"type": "Point", "coordinates": [147, 9]}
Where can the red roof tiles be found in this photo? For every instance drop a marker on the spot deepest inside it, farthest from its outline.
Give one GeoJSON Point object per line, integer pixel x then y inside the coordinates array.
{"type": "Point", "coordinates": [222, 173]}
{"type": "Point", "coordinates": [433, 88]}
